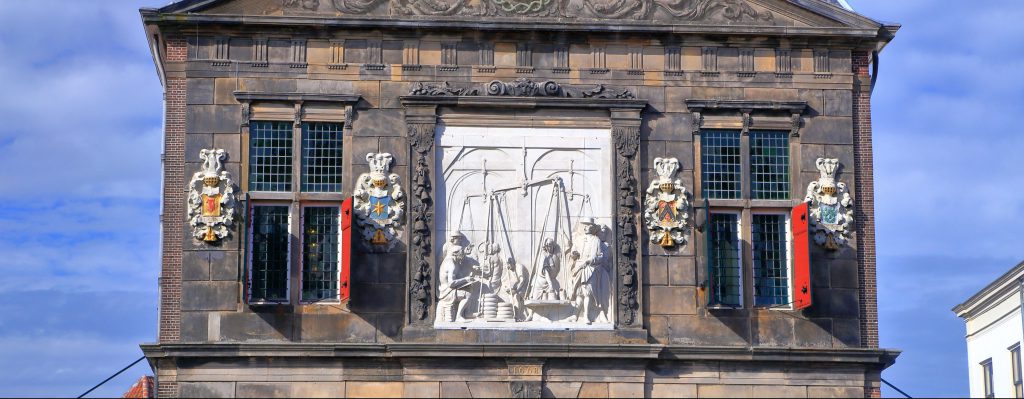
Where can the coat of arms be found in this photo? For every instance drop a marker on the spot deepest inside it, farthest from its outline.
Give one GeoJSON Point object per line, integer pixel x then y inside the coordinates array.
{"type": "Point", "coordinates": [379, 201]}
{"type": "Point", "coordinates": [211, 198]}
{"type": "Point", "coordinates": [667, 209]}
{"type": "Point", "coordinates": [831, 206]}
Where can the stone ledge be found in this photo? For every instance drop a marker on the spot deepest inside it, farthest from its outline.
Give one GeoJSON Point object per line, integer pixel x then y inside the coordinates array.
{"type": "Point", "coordinates": [880, 357]}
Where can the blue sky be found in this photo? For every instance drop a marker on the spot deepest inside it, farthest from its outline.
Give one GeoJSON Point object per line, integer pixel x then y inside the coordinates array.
{"type": "Point", "coordinates": [80, 173]}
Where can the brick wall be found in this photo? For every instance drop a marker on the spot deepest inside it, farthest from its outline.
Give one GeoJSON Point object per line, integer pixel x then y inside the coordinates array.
{"type": "Point", "coordinates": [865, 207]}
{"type": "Point", "coordinates": [174, 197]}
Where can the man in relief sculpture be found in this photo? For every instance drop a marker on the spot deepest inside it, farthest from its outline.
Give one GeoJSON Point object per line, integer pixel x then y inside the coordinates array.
{"type": "Point", "coordinates": [546, 286]}
{"type": "Point", "coordinates": [455, 284]}
{"type": "Point", "coordinates": [515, 279]}
{"type": "Point", "coordinates": [589, 274]}
{"type": "Point", "coordinates": [490, 268]}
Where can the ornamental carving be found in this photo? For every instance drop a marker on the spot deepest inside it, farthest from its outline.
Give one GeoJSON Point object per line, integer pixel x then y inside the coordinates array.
{"type": "Point", "coordinates": [211, 198]}
{"type": "Point", "coordinates": [526, 224]}
{"type": "Point", "coordinates": [830, 205]}
{"type": "Point", "coordinates": [627, 141]}
{"type": "Point", "coordinates": [667, 208]}
{"type": "Point", "coordinates": [379, 202]}
{"type": "Point", "coordinates": [421, 215]}
{"type": "Point", "coordinates": [725, 11]}
{"type": "Point", "coordinates": [522, 87]}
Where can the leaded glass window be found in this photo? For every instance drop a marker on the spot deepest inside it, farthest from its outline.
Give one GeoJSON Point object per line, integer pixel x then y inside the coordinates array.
{"type": "Point", "coordinates": [771, 263]}
{"type": "Point", "coordinates": [724, 259]}
{"type": "Point", "coordinates": [720, 164]}
{"type": "Point", "coordinates": [321, 157]}
{"type": "Point", "coordinates": [269, 254]}
{"type": "Point", "coordinates": [270, 156]}
{"type": "Point", "coordinates": [769, 165]}
{"type": "Point", "coordinates": [320, 256]}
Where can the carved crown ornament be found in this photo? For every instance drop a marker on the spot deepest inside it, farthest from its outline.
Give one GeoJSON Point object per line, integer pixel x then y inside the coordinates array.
{"type": "Point", "coordinates": [379, 202]}
{"type": "Point", "coordinates": [211, 198]}
{"type": "Point", "coordinates": [693, 10]}
{"type": "Point", "coordinates": [666, 208]}
{"type": "Point", "coordinates": [831, 207]}
{"type": "Point", "coordinates": [522, 87]}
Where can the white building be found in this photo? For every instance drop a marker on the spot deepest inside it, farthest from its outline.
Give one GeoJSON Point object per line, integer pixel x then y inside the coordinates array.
{"type": "Point", "coordinates": [994, 335]}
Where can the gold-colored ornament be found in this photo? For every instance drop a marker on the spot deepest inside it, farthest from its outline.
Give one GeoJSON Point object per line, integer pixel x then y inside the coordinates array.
{"type": "Point", "coordinates": [379, 238]}
{"type": "Point", "coordinates": [667, 241]}
{"type": "Point", "coordinates": [210, 235]}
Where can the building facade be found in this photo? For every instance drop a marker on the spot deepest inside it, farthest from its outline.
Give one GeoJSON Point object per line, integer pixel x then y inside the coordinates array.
{"type": "Point", "coordinates": [517, 198]}
{"type": "Point", "coordinates": [994, 334]}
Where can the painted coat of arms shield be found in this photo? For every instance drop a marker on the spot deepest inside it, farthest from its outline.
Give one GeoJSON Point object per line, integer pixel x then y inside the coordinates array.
{"type": "Point", "coordinates": [379, 203]}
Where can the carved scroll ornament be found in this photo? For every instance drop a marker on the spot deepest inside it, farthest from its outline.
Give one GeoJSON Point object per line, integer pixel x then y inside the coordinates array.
{"type": "Point", "coordinates": [522, 87]}
{"type": "Point", "coordinates": [421, 141]}
{"type": "Point", "coordinates": [211, 198]}
{"type": "Point", "coordinates": [831, 206]}
{"type": "Point", "coordinates": [731, 11]}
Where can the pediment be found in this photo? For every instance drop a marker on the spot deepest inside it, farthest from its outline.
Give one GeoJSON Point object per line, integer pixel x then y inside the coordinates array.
{"type": "Point", "coordinates": [766, 13]}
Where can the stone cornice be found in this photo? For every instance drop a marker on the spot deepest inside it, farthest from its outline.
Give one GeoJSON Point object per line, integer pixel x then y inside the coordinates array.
{"type": "Point", "coordinates": [703, 105]}
{"type": "Point", "coordinates": [150, 16]}
{"type": "Point", "coordinates": [877, 357]}
{"type": "Point", "coordinates": [249, 96]}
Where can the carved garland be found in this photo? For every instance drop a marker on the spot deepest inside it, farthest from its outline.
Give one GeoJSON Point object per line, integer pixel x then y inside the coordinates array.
{"type": "Point", "coordinates": [421, 141]}
{"type": "Point", "coordinates": [627, 142]}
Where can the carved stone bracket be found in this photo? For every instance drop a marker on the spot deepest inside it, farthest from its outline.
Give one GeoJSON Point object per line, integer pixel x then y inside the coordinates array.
{"type": "Point", "coordinates": [420, 130]}
{"type": "Point", "coordinates": [626, 137]}
{"type": "Point", "coordinates": [526, 377]}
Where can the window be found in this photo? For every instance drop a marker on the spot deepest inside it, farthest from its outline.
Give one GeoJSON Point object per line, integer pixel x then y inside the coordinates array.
{"type": "Point", "coordinates": [724, 266]}
{"type": "Point", "coordinates": [745, 179]}
{"type": "Point", "coordinates": [294, 168]}
{"type": "Point", "coordinates": [1018, 382]}
{"type": "Point", "coordinates": [321, 157]}
{"type": "Point", "coordinates": [769, 165]}
{"type": "Point", "coordinates": [270, 156]}
{"type": "Point", "coordinates": [269, 240]}
{"type": "Point", "coordinates": [320, 253]}
{"type": "Point", "coordinates": [986, 375]}
{"type": "Point", "coordinates": [771, 260]}
{"type": "Point", "coordinates": [720, 161]}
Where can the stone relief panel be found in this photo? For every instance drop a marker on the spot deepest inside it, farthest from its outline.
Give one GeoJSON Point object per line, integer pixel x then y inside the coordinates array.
{"type": "Point", "coordinates": [524, 220]}
{"type": "Point", "coordinates": [211, 198]}
{"type": "Point", "coordinates": [722, 11]}
{"type": "Point", "coordinates": [666, 209]}
{"type": "Point", "coordinates": [379, 202]}
{"type": "Point", "coordinates": [831, 206]}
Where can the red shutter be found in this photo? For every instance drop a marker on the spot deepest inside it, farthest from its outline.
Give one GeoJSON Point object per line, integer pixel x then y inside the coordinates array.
{"type": "Point", "coordinates": [346, 248]}
{"type": "Point", "coordinates": [801, 257]}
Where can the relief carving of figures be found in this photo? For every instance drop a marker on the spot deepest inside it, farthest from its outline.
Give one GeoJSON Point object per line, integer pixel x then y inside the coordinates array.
{"type": "Point", "coordinates": [830, 205]}
{"type": "Point", "coordinates": [536, 211]}
{"type": "Point", "coordinates": [456, 283]}
{"type": "Point", "coordinates": [677, 10]}
{"type": "Point", "coordinates": [667, 208]}
{"type": "Point", "coordinates": [379, 202]}
{"type": "Point", "coordinates": [589, 288]}
{"type": "Point", "coordinates": [211, 198]}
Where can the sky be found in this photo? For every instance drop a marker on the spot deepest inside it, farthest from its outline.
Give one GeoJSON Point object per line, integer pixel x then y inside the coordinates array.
{"type": "Point", "coordinates": [80, 143]}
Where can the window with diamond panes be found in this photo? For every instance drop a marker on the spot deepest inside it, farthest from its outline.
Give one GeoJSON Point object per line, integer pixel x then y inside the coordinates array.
{"type": "Point", "coordinates": [270, 156]}
{"type": "Point", "coordinates": [769, 165]}
{"type": "Point", "coordinates": [771, 263]}
{"type": "Point", "coordinates": [320, 256]}
{"type": "Point", "coordinates": [720, 164]}
{"type": "Point", "coordinates": [724, 260]}
{"type": "Point", "coordinates": [269, 254]}
{"type": "Point", "coordinates": [321, 157]}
